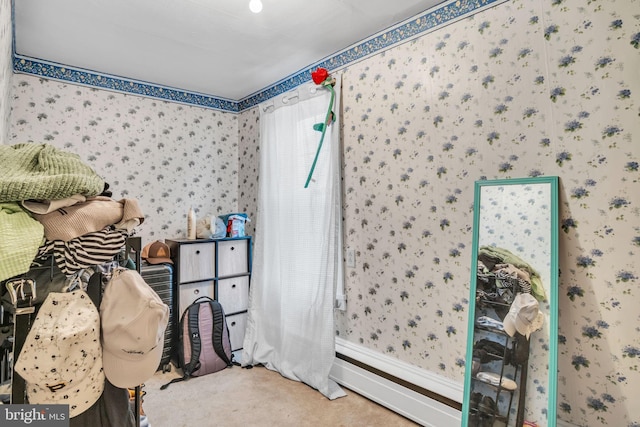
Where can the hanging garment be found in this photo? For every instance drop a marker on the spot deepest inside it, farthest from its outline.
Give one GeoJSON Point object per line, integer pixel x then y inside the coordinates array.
{"type": "Point", "coordinates": [111, 410]}
{"type": "Point", "coordinates": [85, 251]}
{"type": "Point", "coordinates": [21, 236]}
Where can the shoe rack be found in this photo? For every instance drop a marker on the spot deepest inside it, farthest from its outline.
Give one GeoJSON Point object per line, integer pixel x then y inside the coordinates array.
{"type": "Point", "coordinates": [497, 381]}
{"type": "Point", "coordinates": [511, 378]}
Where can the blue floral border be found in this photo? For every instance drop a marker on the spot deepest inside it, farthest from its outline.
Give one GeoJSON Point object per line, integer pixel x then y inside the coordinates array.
{"type": "Point", "coordinates": [430, 20]}
{"type": "Point", "coordinates": [48, 70]}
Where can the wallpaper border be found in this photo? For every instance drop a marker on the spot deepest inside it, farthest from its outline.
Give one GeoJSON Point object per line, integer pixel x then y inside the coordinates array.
{"type": "Point", "coordinates": [430, 20]}
{"type": "Point", "coordinates": [53, 71]}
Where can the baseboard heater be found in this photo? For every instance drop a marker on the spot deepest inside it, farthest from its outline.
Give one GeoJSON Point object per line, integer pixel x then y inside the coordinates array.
{"type": "Point", "coordinates": [423, 397]}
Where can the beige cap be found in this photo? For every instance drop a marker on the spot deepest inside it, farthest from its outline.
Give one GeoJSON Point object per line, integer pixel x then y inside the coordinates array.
{"type": "Point", "coordinates": [134, 320]}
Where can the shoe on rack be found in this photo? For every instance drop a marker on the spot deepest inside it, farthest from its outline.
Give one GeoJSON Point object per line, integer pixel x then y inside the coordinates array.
{"type": "Point", "coordinates": [488, 322]}
{"type": "Point", "coordinates": [484, 355]}
{"type": "Point", "coordinates": [494, 350]}
{"type": "Point", "coordinates": [491, 346]}
{"type": "Point", "coordinates": [487, 406]}
{"type": "Point", "coordinates": [486, 421]}
{"type": "Point", "coordinates": [496, 301]}
{"type": "Point", "coordinates": [476, 364]}
{"type": "Point", "coordinates": [495, 379]}
{"type": "Point", "coordinates": [474, 420]}
{"type": "Point", "coordinates": [476, 398]}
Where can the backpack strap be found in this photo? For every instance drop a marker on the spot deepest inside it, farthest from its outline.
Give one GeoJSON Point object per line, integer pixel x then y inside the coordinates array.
{"type": "Point", "coordinates": [218, 331]}
{"type": "Point", "coordinates": [194, 338]}
{"type": "Point", "coordinates": [202, 298]}
{"type": "Point", "coordinates": [23, 293]}
{"type": "Point", "coordinates": [191, 316]}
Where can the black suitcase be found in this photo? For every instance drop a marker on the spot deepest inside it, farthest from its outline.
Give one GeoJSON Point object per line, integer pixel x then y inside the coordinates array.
{"type": "Point", "coordinates": [160, 278]}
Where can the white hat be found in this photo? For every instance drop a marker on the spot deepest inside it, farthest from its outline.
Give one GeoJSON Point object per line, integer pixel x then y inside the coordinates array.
{"type": "Point", "coordinates": [524, 316]}
{"type": "Point", "coordinates": [61, 360]}
{"type": "Point", "coordinates": [134, 320]}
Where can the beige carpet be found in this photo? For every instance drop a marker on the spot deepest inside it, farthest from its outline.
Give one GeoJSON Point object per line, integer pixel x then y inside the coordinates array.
{"type": "Point", "coordinates": [256, 397]}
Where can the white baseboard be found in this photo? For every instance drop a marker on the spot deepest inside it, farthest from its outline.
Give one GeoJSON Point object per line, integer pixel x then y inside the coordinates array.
{"type": "Point", "coordinates": [406, 402]}
{"type": "Point", "coordinates": [402, 400]}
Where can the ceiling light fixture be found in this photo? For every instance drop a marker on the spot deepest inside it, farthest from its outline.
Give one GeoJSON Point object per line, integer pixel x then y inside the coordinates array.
{"type": "Point", "coordinates": [255, 6]}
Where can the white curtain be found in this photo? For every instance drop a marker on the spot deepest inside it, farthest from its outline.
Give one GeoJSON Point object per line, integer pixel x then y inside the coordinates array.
{"type": "Point", "coordinates": [297, 264]}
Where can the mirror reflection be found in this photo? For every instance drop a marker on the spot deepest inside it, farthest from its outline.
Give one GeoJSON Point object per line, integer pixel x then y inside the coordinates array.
{"type": "Point", "coordinates": [511, 368]}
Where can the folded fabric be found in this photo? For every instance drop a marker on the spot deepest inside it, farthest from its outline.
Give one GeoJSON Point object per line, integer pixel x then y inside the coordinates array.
{"type": "Point", "coordinates": [513, 272]}
{"type": "Point", "coordinates": [21, 237]}
{"type": "Point", "coordinates": [132, 215]}
{"type": "Point", "coordinates": [94, 214]}
{"type": "Point", "coordinates": [42, 172]}
{"type": "Point", "coordinates": [45, 206]}
{"type": "Point", "coordinates": [494, 379]}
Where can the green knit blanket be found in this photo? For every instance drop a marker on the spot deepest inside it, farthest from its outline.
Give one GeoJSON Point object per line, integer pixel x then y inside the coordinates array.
{"type": "Point", "coordinates": [42, 172]}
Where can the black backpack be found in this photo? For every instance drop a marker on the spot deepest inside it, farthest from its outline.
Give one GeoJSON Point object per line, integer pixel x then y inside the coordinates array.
{"type": "Point", "coordinates": [204, 346]}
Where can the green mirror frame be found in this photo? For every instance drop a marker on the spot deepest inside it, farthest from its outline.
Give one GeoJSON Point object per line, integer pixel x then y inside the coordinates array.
{"type": "Point", "coordinates": [540, 380]}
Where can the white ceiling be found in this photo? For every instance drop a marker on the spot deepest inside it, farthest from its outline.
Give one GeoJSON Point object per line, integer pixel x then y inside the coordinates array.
{"type": "Point", "coordinates": [214, 47]}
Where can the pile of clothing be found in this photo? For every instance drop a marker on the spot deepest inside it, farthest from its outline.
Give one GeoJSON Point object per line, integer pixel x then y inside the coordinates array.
{"type": "Point", "coordinates": [501, 271]}
{"type": "Point", "coordinates": [59, 226]}
{"type": "Point", "coordinates": [51, 203]}
{"type": "Point", "coordinates": [512, 288]}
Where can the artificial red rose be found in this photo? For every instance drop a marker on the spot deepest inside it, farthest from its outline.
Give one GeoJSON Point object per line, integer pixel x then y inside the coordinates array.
{"type": "Point", "coordinates": [319, 75]}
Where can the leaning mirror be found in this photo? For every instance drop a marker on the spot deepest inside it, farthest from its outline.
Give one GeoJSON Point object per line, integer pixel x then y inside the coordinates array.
{"type": "Point", "coordinates": [511, 361]}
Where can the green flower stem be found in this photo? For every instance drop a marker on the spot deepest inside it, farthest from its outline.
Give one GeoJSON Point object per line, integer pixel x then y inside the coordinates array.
{"type": "Point", "coordinates": [324, 129]}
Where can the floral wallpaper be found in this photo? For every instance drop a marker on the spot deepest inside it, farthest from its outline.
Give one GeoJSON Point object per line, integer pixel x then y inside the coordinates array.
{"type": "Point", "coordinates": [168, 156]}
{"type": "Point", "coordinates": [526, 88]}
{"type": "Point", "coordinates": [5, 68]}
{"type": "Point", "coordinates": [249, 169]}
